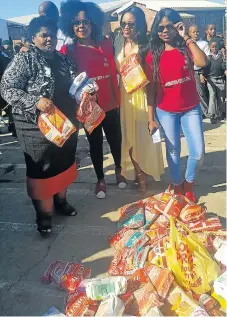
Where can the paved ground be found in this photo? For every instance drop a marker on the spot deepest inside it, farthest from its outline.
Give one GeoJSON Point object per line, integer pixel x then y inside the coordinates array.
{"type": "Point", "coordinates": [25, 255]}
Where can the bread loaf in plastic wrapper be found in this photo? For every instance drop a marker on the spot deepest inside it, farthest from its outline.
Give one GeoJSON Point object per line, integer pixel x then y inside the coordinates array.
{"type": "Point", "coordinates": [132, 74]}
{"type": "Point", "coordinates": [66, 275]}
{"type": "Point", "coordinates": [55, 126]}
{"type": "Point", "coordinates": [192, 213]}
{"type": "Point", "coordinates": [161, 279]}
{"type": "Point", "coordinates": [78, 304]}
{"type": "Point", "coordinates": [211, 224]}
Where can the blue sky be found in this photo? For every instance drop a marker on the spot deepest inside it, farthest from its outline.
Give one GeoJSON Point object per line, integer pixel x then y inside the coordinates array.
{"type": "Point", "coordinates": [15, 8]}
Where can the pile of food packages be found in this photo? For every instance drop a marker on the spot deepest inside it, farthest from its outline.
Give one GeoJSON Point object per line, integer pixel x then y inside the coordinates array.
{"type": "Point", "coordinates": [170, 260]}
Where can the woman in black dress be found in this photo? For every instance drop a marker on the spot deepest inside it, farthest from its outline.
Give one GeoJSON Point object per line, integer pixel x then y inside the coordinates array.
{"type": "Point", "coordinates": [34, 82]}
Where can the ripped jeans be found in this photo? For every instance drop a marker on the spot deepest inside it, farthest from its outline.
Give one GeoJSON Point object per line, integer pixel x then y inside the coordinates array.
{"type": "Point", "coordinates": [191, 124]}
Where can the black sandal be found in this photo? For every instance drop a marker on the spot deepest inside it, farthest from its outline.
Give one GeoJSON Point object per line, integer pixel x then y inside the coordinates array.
{"type": "Point", "coordinates": [65, 208]}
{"type": "Point", "coordinates": [44, 221]}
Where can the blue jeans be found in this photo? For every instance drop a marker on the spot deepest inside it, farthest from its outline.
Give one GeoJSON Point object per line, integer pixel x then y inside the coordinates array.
{"type": "Point", "coordinates": [191, 124]}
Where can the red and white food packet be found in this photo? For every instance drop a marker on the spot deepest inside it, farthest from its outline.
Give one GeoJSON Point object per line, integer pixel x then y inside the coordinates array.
{"type": "Point", "coordinates": [66, 275]}
{"type": "Point", "coordinates": [211, 224]}
{"type": "Point", "coordinates": [78, 304]}
{"type": "Point", "coordinates": [161, 279]}
{"type": "Point", "coordinates": [55, 126]}
{"type": "Point", "coordinates": [192, 213]}
{"type": "Point", "coordinates": [173, 207]}
{"type": "Point", "coordinates": [144, 299]}
{"type": "Point", "coordinates": [132, 74]}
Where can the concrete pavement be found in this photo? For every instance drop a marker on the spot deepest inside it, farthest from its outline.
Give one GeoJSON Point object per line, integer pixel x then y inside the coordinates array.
{"type": "Point", "coordinates": [25, 255]}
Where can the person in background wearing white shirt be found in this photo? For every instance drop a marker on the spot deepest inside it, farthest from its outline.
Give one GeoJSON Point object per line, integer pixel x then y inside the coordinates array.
{"type": "Point", "coordinates": [201, 86]}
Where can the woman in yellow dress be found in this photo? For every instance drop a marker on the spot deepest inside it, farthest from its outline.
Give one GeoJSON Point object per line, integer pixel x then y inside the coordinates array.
{"type": "Point", "coordinates": [140, 156]}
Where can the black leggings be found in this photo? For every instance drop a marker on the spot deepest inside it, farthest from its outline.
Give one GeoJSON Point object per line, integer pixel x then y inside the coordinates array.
{"type": "Point", "coordinates": [112, 128]}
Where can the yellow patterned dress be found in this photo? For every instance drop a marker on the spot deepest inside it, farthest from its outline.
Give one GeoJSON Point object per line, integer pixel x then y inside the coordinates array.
{"type": "Point", "coordinates": [134, 127]}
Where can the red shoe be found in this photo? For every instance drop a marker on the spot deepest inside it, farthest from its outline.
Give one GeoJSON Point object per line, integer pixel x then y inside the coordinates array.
{"type": "Point", "coordinates": [100, 189]}
{"type": "Point", "coordinates": [178, 189]}
{"type": "Point", "coordinates": [188, 192]}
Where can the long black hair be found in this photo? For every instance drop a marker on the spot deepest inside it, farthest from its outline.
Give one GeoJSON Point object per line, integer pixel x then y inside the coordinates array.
{"type": "Point", "coordinates": [69, 9]}
{"type": "Point", "coordinates": [157, 46]}
{"type": "Point", "coordinates": [141, 24]}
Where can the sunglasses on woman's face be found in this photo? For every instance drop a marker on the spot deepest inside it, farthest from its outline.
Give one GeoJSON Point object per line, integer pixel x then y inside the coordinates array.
{"type": "Point", "coordinates": [130, 25]}
{"type": "Point", "coordinates": [78, 23]}
{"type": "Point", "coordinates": [161, 28]}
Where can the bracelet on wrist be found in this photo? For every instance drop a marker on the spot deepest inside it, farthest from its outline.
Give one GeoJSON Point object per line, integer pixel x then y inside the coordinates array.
{"type": "Point", "coordinates": [189, 41]}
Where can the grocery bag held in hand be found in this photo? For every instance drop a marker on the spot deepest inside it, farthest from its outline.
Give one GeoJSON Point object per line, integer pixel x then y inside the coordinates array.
{"type": "Point", "coordinates": [132, 74]}
{"type": "Point", "coordinates": [56, 127]}
{"type": "Point", "coordinates": [89, 113]}
{"type": "Point", "coordinates": [189, 260]}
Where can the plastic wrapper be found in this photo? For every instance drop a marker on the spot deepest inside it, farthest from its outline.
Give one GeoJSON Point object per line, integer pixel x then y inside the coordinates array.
{"type": "Point", "coordinates": [162, 221]}
{"type": "Point", "coordinates": [151, 214]}
{"type": "Point", "coordinates": [132, 216]}
{"type": "Point", "coordinates": [189, 260]}
{"type": "Point", "coordinates": [55, 126]}
{"type": "Point", "coordinates": [89, 113]}
{"type": "Point", "coordinates": [156, 234]}
{"type": "Point", "coordinates": [82, 84]}
{"type": "Point", "coordinates": [66, 275]}
{"type": "Point", "coordinates": [220, 300]}
{"type": "Point", "coordinates": [157, 255]}
{"type": "Point", "coordinates": [208, 303]}
{"type": "Point", "coordinates": [137, 280]}
{"type": "Point", "coordinates": [123, 263]}
{"type": "Point", "coordinates": [119, 239]}
{"type": "Point", "coordinates": [166, 196]}
{"type": "Point", "coordinates": [78, 304]}
{"type": "Point", "coordinates": [181, 303]}
{"type": "Point", "coordinates": [144, 299]}
{"type": "Point", "coordinates": [138, 238]}
{"type": "Point", "coordinates": [220, 285]}
{"type": "Point", "coordinates": [99, 288]}
{"type": "Point", "coordinates": [221, 254]}
{"type": "Point", "coordinates": [129, 260]}
{"type": "Point", "coordinates": [211, 224]}
{"type": "Point", "coordinates": [173, 207]}
{"type": "Point", "coordinates": [154, 312]}
{"type": "Point", "coordinates": [192, 213]}
{"type": "Point", "coordinates": [132, 74]}
{"type": "Point", "coordinates": [160, 278]}
{"type": "Point", "coordinates": [111, 306]}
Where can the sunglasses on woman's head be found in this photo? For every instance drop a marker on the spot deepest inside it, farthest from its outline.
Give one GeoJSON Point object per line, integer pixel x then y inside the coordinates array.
{"type": "Point", "coordinates": [130, 25]}
{"type": "Point", "coordinates": [81, 22]}
{"type": "Point", "coordinates": [161, 28]}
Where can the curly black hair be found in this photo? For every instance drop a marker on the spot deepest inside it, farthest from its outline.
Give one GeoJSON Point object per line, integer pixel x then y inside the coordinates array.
{"type": "Point", "coordinates": [157, 46]}
{"type": "Point", "coordinates": [141, 24]}
{"type": "Point", "coordinates": [36, 24]}
{"type": "Point", "coordinates": [69, 9]}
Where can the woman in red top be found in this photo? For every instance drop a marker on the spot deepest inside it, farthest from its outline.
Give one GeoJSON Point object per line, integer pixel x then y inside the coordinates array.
{"type": "Point", "coordinates": [169, 66]}
{"type": "Point", "coordinates": [93, 54]}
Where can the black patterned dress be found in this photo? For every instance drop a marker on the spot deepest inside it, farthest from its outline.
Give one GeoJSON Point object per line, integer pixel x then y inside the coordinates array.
{"type": "Point", "coordinates": [50, 168]}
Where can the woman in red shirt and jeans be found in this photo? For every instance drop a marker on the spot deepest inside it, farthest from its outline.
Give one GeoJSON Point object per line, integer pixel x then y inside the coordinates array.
{"type": "Point", "coordinates": [169, 66]}
{"type": "Point", "coordinates": [93, 54]}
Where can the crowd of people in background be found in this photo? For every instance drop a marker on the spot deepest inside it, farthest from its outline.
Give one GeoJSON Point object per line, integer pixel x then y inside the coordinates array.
{"type": "Point", "coordinates": [186, 82]}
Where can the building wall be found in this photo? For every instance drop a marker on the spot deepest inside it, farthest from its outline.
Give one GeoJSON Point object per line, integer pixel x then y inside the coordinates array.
{"type": "Point", "coordinates": [202, 18]}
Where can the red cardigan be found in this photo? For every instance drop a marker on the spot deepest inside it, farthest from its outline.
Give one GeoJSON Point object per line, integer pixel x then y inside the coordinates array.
{"type": "Point", "coordinates": [106, 48]}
